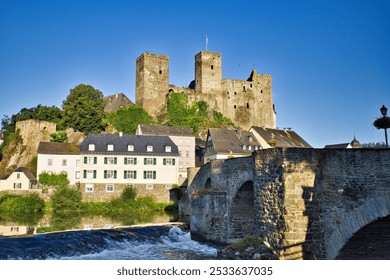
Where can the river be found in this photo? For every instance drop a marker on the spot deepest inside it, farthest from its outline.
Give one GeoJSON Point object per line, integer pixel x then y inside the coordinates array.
{"type": "Point", "coordinates": [100, 238]}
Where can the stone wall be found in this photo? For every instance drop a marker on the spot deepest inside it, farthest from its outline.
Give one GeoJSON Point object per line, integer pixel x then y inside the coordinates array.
{"type": "Point", "coordinates": [307, 202]}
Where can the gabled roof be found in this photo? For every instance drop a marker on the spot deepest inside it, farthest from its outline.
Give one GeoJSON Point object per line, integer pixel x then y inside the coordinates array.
{"type": "Point", "coordinates": [232, 141]}
{"type": "Point", "coordinates": [26, 172]}
{"type": "Point", "coordinates": [337, 146]}
{"type": "Point", "coordinates": [54, 148]}
{"type": "Point", "coordinates": [121, 142]}
{"type": "Point", "coordinates": [116, 101]}
{"type": "Point", "coordinates": [281, 138]}
{"type": "Point", "coordinates": [154, 129]}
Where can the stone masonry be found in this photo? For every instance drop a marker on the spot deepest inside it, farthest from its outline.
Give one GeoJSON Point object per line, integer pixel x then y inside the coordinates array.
{"type": "Point", "coordinates": [306, 203]}
{"type": "Point", "coordinates": [247, 103]}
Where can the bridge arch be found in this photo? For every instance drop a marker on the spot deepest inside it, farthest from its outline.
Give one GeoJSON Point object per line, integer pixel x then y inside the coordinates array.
{"type": "Point", "coordinates": [242, 214]}
{"type": "Point", "coordinates": [352, 222]}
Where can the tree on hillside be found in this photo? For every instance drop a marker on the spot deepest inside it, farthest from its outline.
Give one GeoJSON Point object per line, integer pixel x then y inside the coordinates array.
{"type": "Point", "coordinates": [126, 119]}
{"type": "Point", "coordinates": [83, 109]}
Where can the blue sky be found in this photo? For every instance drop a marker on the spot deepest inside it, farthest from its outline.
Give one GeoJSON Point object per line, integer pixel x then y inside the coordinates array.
{"type": "Point", "coordinates": [330, 60]}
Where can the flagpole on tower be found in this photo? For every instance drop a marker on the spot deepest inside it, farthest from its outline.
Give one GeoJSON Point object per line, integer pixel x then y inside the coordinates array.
{"type": "Point", "coordinates": [207, 42]}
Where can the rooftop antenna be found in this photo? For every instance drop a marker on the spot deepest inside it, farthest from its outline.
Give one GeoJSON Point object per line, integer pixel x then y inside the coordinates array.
{"type": "Point", "coordinates": [207, 42]}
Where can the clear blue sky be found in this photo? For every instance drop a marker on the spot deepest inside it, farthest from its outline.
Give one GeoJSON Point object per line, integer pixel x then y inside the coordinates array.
{"type": "Point", "coordinates": [330, 60]}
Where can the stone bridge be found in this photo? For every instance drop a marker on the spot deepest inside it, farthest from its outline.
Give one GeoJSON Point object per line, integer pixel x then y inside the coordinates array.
{"type": "Point", "coordinates": [305, 203]}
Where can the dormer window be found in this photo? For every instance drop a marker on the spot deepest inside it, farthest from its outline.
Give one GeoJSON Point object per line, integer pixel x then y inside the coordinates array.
{"type": "Point", "coordinates": [130, 148]}
{"type": "Point", "coordinates": [250, 139]}
{"type": "Point", "coordinates": [91, 147]}
{"type": "Point", "coordinates": [168, 149]}
{"type": "Point", "coordinates": [149, 148]}
{"type": "Point", "coordinates": [244, 147]}
{"type": "Point", "coordinates": [249, 148]}
{"type": "Point", "coordinates": [110, 147]}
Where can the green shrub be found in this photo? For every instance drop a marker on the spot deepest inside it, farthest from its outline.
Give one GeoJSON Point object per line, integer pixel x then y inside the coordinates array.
{"type": "Point", "coordinates": [66, 199]}
{"type": "Point", "coordinates": [47, 179]}
{"type": "Point", "coordinates": [21, 203]}
{"type": "Point", "coordinates": [128, 194]}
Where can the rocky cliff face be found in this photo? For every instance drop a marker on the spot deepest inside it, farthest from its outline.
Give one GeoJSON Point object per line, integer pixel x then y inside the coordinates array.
{"type": "Point", "coordinates": [24, 146]}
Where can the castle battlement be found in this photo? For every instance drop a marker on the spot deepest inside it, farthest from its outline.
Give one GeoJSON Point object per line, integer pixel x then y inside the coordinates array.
{"type": "Point", "coordinates": [247, 103]}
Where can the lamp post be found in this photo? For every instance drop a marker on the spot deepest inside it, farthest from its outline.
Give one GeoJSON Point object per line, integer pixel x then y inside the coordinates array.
{"type": "Point", "coordinates": [383, 122]}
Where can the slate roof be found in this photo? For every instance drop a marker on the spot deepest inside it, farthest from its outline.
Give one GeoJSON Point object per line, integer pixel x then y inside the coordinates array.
{"type": "Point", "coordinates": [140, 143]}
{"type": "Point", "coordinates": [26, 172]}
{"type": "Point", "coordinates": [354, 144]}
{"type": "Point", "coordinates": [153, 129]}
{"type": "Point", "coordinates": [116, 101]}
{"type": "Point", "coordinates": [232, 141]}
{"type": "Point", "coordinates": [281, 138]}
{"type": "Point", "coordinates": [54, 148]}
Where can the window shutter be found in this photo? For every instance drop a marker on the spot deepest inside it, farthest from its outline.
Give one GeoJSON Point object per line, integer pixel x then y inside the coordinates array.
{"type": "Point", "coordinates": [125, 160]}
{"type": "Point", "coordinates": [144, 174]}
{"type": "Point", "coordinates": [95, 160]}
{"type": "Point", "coordinates": [115, 160]}
{"type": "Point", "coordinates": [85, 160]}
{"type": "Point", "coordinates": [144, 161]}
{"type": "Point", "coordinates": [105, 174]}
{"type": "Point", "coordinates": [85, 174]}
{"type": "Point", "coordinates": [173, 161]}
{"type": "Point", "coordinates": [105, 160]}
{"type": "Point", "coordinates": [154, 174]}
{"type": "Point", "coordinates": [125, 174]}
{"type": "Point", "coordinates": [154, 161]}
{"type": "Point", "coordinates": [94, 174]}
{"type": "Point", "coordinates": [135, 174]}
{"type": "Point", "coordinates": [135, 161]}
{"type": "Point", "coordinates": [114, 174]}
{"type": "Point", "coordinates": [164, 161]}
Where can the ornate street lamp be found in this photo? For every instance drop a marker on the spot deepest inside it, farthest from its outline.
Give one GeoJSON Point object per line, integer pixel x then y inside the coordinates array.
{"type": "Point", "coordinates": [383, 122]}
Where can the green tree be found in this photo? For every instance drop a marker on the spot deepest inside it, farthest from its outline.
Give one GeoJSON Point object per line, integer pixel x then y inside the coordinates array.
{"type": "Point", "coordinates": [66, 199]}
{"type": "Point", "coordinates": [52, 179]}
{"type": "Point", "coordinates": [126, 119]}
{"type": "Point", "coordinates": [83, 109]}
{"type": "Point", "coordinates": [59, 136]}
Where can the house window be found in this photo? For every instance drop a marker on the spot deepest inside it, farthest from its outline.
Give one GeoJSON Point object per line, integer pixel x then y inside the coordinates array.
{"type": "Point", "coordinates": [130, 161]}
{"type": "Point", "coordinates": [130, 148]}
{"type": "Point", "coordinates": [78, 162]}
{"type": "Point", "coordinates": [110, 174]}
{"type": "Point", "coordinates": [168, 161]}
{"type": "Point", "coordinates": [109, 188]}
{"type": "Point", "coordinates": [90, 160]}
{"type": "Point", "coordinates": [149, 186]}
{"type": "Point", "coordinates": [91, 147]}
{"type": "Point", "coordinates": [110, 147]}
{"type": "Point", "coordinates": [188, 142]}
{"type": "Point", "coordinates": [150, 161]}
{"type": "Point", "coordinates": [244, 147]}
{"type": "Point", "coordinates": [188, 154]}
{"type": "Point", "coordinates": [17, 185]}
{"type": "Point", "coordinates": [249, 148]}
{"type": "Point", "coordinates": [168, 149]}
{"type": "Point", "coordinates": [168, 186]}
{"type": "Point", "coordinates": [64, 162]}
{"type": "Point", "coordinates": [77, 175]}
{"type": "Point", "coordinates": [130, 174]}
{"type": "Point", "coordinates": [89, 187]}
{"type": "Point", "coordinates": [148, 174]}
{"type": "Point", "coordinates": [110, 160]}
{"type": "Point", "coordinates": [149, 148]}
{"type": "Point", "coordinates": [89, 174]}
{"type": "Point", "coordinates": [50, 162]}
{"type": "Point", "coordinates": [17, 175]}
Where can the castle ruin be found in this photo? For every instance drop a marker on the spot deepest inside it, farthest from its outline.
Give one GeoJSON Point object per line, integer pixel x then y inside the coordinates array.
{"type": "Point", "coordinates": [247, 103]}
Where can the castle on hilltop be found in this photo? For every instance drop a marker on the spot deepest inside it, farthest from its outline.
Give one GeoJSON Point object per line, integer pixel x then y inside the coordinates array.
{"type": "Point", "coordinates": [247, 103]}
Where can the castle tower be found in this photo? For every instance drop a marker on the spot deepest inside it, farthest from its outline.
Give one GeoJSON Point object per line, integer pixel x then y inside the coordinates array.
{"type": "Point", "coordinates": [152, 79]}
{"type": "Point", "coordinates": [208, 72]}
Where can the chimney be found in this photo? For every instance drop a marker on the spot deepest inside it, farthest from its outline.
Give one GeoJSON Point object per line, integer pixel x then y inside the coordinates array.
{"type": "Point", "coordinates": [120, 134]}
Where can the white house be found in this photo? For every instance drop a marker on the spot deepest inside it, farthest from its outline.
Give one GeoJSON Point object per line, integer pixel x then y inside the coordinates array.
{"type": "Point", "coordinates": [181, 136]}
{"type": "Point", "coordinates": [60, 157]}
{"type": "Point", "coordinates": [110, 162]}
{"type": "Point", "coordinates": [20, 179]}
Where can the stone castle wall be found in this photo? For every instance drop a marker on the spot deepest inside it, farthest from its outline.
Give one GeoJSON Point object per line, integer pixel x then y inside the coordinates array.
{"type": "Point", "coordinates": [246, 103]}
{"type": "Point", "coordinates": [307, 202]}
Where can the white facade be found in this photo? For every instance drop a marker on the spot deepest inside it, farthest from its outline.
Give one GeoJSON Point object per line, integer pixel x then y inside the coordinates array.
{"type": "Point", "coordinates": [58, 163]}
{"type": "Point", "coordinates": [186, 146]}
{"type": "Point", "coordinates": [18, 180]}
{"type": "Point", "coordinates": [129, 169]}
